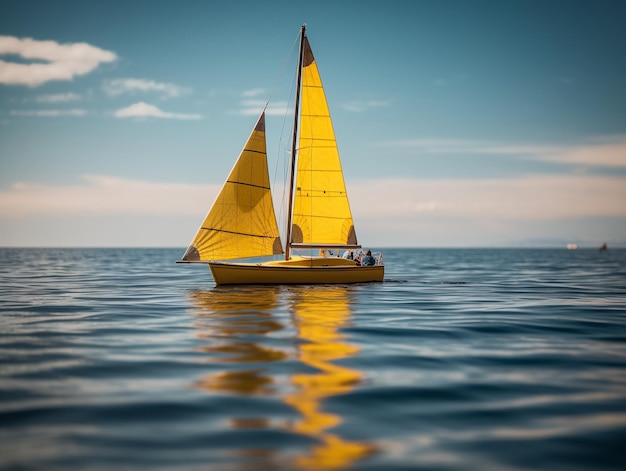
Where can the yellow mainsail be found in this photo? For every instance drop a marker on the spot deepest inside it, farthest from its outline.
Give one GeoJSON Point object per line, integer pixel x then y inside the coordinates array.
{"type": "Point", "coordinates": [241, 222]}
{"type": "Point", "coordinates": [321, 211]}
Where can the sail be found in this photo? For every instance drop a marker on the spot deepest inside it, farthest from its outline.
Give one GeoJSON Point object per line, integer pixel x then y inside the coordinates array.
{"type": "Point", "coordinates": [321, 211]}
{"type": "Point", "coordinates": [241, 222]}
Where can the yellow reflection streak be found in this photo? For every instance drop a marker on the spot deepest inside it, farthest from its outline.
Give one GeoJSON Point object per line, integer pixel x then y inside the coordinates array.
{"type": "Point", "coordinates": [224, 316]}
{"type": "Point", "coordinates": [230, 317]}
{"type": "Point", "coordinates": [318, 314]}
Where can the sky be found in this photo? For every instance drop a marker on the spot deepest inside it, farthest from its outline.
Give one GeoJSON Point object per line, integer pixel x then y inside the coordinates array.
{"type": "Point", "coordinates": [459, 123]}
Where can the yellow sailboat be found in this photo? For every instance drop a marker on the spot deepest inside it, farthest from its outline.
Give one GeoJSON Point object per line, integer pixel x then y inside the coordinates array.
{"type": "Point", "coordinates": [242, 224]}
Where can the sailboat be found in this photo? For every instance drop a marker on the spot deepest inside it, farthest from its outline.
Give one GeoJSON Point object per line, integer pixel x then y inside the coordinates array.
{"type": "Point", "coordinates": [242, 222]}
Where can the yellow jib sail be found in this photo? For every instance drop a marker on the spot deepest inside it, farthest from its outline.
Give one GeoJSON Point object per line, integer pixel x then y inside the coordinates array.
{"type": "Point", "coordinates": [241, 222]}
{"type": "Point", "coordinates": [321, 214]}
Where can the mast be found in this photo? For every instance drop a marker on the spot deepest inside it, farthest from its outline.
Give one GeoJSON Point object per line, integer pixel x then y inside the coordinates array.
{"type": "Point", "coordinates": [294, 143]}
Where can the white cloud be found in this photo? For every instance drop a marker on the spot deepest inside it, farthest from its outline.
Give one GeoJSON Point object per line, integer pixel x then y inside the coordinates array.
{"type": "Point", "coordinates": [254, 108]}
{"type": "Point", "coordinates": [116, 87]}
{"type": "Point", "coordinates": [253, 92]}
{"type": "Point", "coordinates": [608, 152]}
{"type": "Point", "coordinates": [63, 61]}
{"type": "Point", "coordinates": [359, 106]}
{"type": "Point", "coordinates": [250, 106]}
{"type": "Point", "coordinates": [605, 152]}
{"type": "Point", "coordinates": [48, 113]}
{"type": "Point", "coordinates": [58, 98]}
{"type": "Point", "coordinates": [144, 110]}
{"type": "Point", "coordinates": [469, 146]}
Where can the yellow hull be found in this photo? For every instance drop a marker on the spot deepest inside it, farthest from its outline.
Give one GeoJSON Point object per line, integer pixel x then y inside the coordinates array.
{"type": "Point", "coordinates": [295, 271]}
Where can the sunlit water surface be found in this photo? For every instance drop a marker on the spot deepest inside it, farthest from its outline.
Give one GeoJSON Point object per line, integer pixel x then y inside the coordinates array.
{"type": "Point", "coordinates": [462, 359]}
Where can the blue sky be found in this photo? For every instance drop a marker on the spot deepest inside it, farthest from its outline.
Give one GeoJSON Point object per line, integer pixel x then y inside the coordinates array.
{"type": "Point", "coordinates": [459, 123]}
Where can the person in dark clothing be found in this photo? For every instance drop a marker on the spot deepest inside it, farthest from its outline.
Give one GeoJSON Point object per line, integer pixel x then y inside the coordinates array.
{"type": "Point", "coordinates": [368, 259]}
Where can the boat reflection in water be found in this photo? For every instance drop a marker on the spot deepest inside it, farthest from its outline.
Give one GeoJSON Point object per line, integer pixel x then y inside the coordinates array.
{"type": "Point", "coordinates": [319, 314]}
{"type": "Point", "coordinates": [284, 343]}
{"type": "Point", "coordinates": [230, 319]}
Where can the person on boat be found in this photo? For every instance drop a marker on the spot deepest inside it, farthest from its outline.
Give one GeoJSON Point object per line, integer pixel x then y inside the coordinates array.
{"type": "Point", "coordinates": [368, 259]}
{"type": "Point", "coordinates": [349, 254]}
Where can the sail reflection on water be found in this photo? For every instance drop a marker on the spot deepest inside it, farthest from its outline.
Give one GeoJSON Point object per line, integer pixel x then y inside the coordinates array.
{"type": "Point", "coordinates": [229, 319]}
{"type": "Point", "coordinates": [319, 313]}
{"type": "Point", "coordinates": [245, 339]}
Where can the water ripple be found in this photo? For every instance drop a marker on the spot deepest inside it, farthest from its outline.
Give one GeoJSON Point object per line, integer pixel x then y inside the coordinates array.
{"type": "Point", "coordinates": [461, 359]}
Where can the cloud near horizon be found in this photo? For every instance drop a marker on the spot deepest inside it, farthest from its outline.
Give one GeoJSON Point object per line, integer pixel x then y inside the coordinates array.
{"type": "Point", "coordinates": [144, 110]}
{"type": "Point", "coordinates": [529, 198]}
{"type": "Point", "coordinates": [389, 212]}
{"type": "Point", "coordinates": [506, 199]}
{"type": "Point", "coordinates": [98, 194]}
{"type": "Point", "coordinates": [608, 151]}
{"type": "Point", "coordinates": [62, 61]}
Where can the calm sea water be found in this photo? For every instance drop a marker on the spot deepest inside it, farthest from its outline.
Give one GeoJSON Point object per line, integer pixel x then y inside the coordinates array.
{"type": "Point", "coordinates": [462, 359]}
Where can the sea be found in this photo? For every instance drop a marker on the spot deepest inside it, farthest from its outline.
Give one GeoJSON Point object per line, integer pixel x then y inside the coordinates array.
{"type": "Point", "coordinates": [462, 359]}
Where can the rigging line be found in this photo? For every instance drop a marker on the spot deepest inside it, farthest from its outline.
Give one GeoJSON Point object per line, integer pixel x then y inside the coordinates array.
{"type": "Point", "coordinates": [282, 70]}
{"type": "Point", "coordinates": [278, 156]}
{"type": "Point", "coordinates": [281, 206]}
